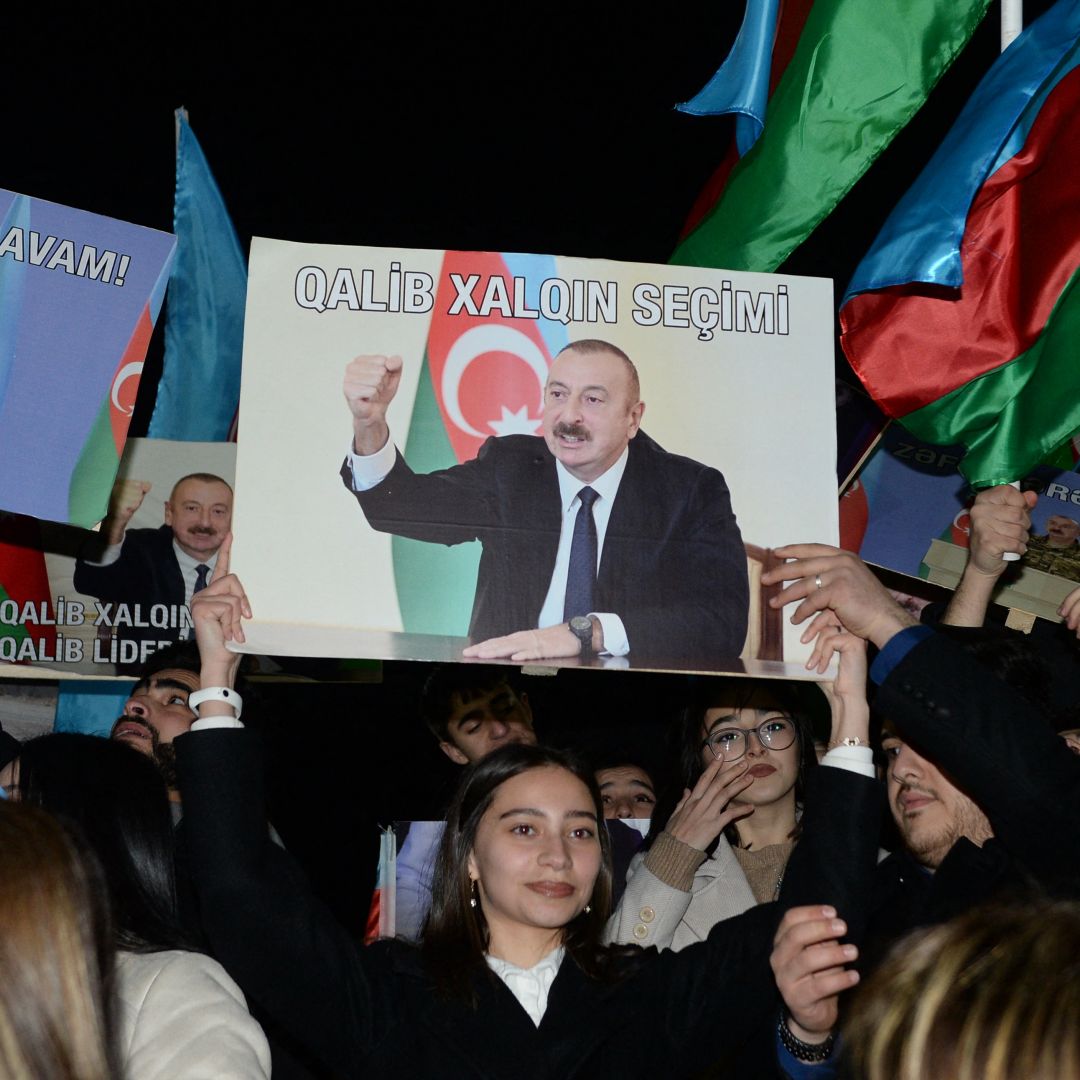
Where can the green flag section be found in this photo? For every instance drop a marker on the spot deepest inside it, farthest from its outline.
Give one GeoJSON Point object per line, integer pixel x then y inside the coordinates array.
{"type": "Point", "coordinates": [435, 584]}
{"type": "Point", "coordinates": [860, 72]}
{"type": "Point", "coordinates": [1011, 418]}
{"type": "Point", "coordinates": [10, 628]}
{"type": "Point", "coordinates": [94, 471]}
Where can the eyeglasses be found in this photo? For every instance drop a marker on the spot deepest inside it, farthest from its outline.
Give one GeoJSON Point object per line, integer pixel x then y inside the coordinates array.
{"type": "Point", "coordinates": [730, 743]}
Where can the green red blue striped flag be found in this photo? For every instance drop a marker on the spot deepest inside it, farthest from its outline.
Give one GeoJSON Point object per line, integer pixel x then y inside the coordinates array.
{"type": "Point", "coordinates": [963, 319]}
{"type": "Point", "coordinates": [860, 72]}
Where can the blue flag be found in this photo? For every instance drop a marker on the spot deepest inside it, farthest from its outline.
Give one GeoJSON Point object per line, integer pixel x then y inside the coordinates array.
{"type": "Point", "coordinates": [741, 84]}
{"type": "Point", "coordinates": [204, 324]}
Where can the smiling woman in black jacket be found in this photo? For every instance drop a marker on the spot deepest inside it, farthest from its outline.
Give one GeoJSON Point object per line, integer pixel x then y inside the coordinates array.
{"type": "Point", "coordinates": [511, 979]}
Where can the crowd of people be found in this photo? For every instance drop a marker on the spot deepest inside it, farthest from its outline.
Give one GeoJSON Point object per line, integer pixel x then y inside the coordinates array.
{"type": "Point", "coordinates": [772, 922]}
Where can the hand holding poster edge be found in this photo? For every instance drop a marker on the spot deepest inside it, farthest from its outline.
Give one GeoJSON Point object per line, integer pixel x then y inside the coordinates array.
{"type": "Point", "coordinates": [825, 577]}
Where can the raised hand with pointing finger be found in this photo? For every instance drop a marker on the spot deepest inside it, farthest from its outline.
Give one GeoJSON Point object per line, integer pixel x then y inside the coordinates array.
{"type": "Point", "coordinates": [217, 612]}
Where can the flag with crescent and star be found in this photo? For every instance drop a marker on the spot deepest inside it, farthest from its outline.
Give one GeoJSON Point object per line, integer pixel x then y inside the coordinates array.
{"type": "Point", "coordinates": [483, 377]}
{"type": "Point", "coordinates": [79, 294]}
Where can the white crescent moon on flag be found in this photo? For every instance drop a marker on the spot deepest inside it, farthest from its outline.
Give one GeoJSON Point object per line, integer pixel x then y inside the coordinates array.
{"type": "Point", "coordinates": [476, 342]}
{"type": "Point", "coordinates": [122, 376]}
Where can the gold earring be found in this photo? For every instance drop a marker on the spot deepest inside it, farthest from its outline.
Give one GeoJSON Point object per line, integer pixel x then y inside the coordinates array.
{"type": "Point", "coordinates": [472, 899]}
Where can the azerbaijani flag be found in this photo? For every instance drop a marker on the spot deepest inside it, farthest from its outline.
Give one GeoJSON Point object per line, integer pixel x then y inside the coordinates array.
{"type": "Point", "coordinates": [381, 915]}
{"type": "Point", "coordinates": [199, 390]}
{"type": "Point", "coordinates": [860, 72]}
{"type": "Point", "coordinates": [744, 84]}
{"type": "Point", "coordinates": [482, 376]}
{"type": "Point", "coordinates": [79, 294]}
{"type": "Point", "coordinates": [963, 320]}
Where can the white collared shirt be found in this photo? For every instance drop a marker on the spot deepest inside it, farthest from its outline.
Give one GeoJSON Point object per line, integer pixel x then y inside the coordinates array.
{"type": "Point", "coordinates": [189, 569]}
{"type": "Point", "coordinates": [368, 470]}
{"type": "Point", "coordinates": [606, 487]}
{"type": "Point", "coordinates": [530, 986]}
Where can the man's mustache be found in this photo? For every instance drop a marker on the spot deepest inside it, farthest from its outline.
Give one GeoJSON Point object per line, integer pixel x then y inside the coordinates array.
{"type": "Point", "coordinates": [203, 530]}
{"type": "Point", "coordinates": [905, 786]}
{"type": "Point", "coordinates": [139, 722]}
{"type": "Point", "coordinates": [571, 431]}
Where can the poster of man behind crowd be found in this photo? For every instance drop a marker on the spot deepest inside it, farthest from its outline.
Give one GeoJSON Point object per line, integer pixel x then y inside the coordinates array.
{"type": "Point", "coordinates": [527, 457]}
{"type": "Point", "coordinates": [115, 595]}
{"type": "Point", "coordinates": [909, 511]}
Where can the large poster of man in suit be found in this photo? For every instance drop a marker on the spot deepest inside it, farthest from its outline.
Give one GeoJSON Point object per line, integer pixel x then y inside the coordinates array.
{"type": "Point", "coordinates": [551, 460]}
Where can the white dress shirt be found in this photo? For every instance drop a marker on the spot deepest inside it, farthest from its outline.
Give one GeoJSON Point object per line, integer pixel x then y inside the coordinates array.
{"type": "Point", "coordinates": [368, 470]}
{"type": "Point", "coordinates": [530, 986]}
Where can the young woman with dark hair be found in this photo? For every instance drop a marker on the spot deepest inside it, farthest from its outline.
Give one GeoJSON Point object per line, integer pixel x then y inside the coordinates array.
{"type": "Point", "coordinates": [722, 837]}
{"type": "Point", "coordinates": [116, 799]}
{"type": "Point", "coordinates": [179, 1014]}
{"type": "Point", "coordinates": [511, 978]}
{"type": "Point", "coordinates": [56, 954]}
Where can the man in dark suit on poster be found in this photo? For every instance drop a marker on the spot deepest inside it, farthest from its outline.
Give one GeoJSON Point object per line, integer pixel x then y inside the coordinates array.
{"type": "Point", "coordinates": [161, 567]}
{"type": "Point", "coordinates": [596, 541]}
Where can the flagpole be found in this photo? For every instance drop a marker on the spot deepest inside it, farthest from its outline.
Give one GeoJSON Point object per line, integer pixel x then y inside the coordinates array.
{"type": "Point", "coordinates": [1012, 21]}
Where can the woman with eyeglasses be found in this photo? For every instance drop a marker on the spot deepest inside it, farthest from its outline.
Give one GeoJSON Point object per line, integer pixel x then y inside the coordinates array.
{"type": "Point", "coordinates": [721, 841]}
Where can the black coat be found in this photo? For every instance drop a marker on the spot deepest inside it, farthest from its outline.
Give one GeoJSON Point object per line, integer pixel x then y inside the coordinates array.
{"type": "Point", "coordinates": [673, 566]}
{"type": "Point", "coordinates": [374, 1012]}
{"type": "Point", "coordinates": [1002, 752]}
{"type": "Point", "coordinates": [146, 574]}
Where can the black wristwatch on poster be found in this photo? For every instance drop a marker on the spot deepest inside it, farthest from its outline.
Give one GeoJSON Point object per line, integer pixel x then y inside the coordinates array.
{"type": "Point", "coordinates": [581, 626]}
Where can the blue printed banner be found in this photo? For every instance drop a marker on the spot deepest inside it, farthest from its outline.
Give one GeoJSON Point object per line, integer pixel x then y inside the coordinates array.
{"type": "Point", "coordinates": [79, 294]}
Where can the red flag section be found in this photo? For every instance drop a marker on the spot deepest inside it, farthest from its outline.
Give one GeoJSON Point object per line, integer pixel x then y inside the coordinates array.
{"type": "Point", "coordinates": [25, 581]}
{"type": "Point", "coordinates": [488, 367]}
{"type": "Point", "coordinates": [125, 384]}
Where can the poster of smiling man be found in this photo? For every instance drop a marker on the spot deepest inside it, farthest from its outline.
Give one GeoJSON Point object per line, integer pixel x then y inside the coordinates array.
{"type": "Point", "coordinates": [451, 455]}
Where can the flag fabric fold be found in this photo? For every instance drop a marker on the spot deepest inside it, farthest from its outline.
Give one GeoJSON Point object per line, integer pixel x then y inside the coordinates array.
{"type": "Point", "coordinates": [789, 27]}
{"type": "Point", "coordinates": [962, 319]}
{"type": "Point", "coordinates": [921, 239]}
{"type": "Point", "coordinates": [199, 389]}
{"type": "Point", "coordinates": [741, 83]}
{"type": "Point", "coordinates": [860, 72]}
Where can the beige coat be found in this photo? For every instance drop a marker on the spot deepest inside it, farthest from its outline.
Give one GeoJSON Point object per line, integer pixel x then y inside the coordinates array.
{"type": "Point", "coordinates": [181, 1017]}
{"type": "Point", "coordinates": [654, 913]}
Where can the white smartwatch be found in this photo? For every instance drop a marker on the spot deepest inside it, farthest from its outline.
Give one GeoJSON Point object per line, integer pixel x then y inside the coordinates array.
{"type": "Point", "coordinates": [216, 693]}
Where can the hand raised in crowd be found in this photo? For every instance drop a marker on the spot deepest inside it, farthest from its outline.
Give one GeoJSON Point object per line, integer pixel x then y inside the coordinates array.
{"type": "Point", "coordinates": [217, 612]}
{"type": "Point", "coordinates": [1000, 522]}
{"type": "Point", "coordinates": [704, 813]}
{"type": "Point", "coordinates": [124, 501]}
{"type": "Point", "coordinates": [370, 385]}
{"type": "Point", "coordinates": [825, 577]}
{"type": "Point", "coordinates": [808, 962]}
{"type": "Point", "coordinates": [846, 694]}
